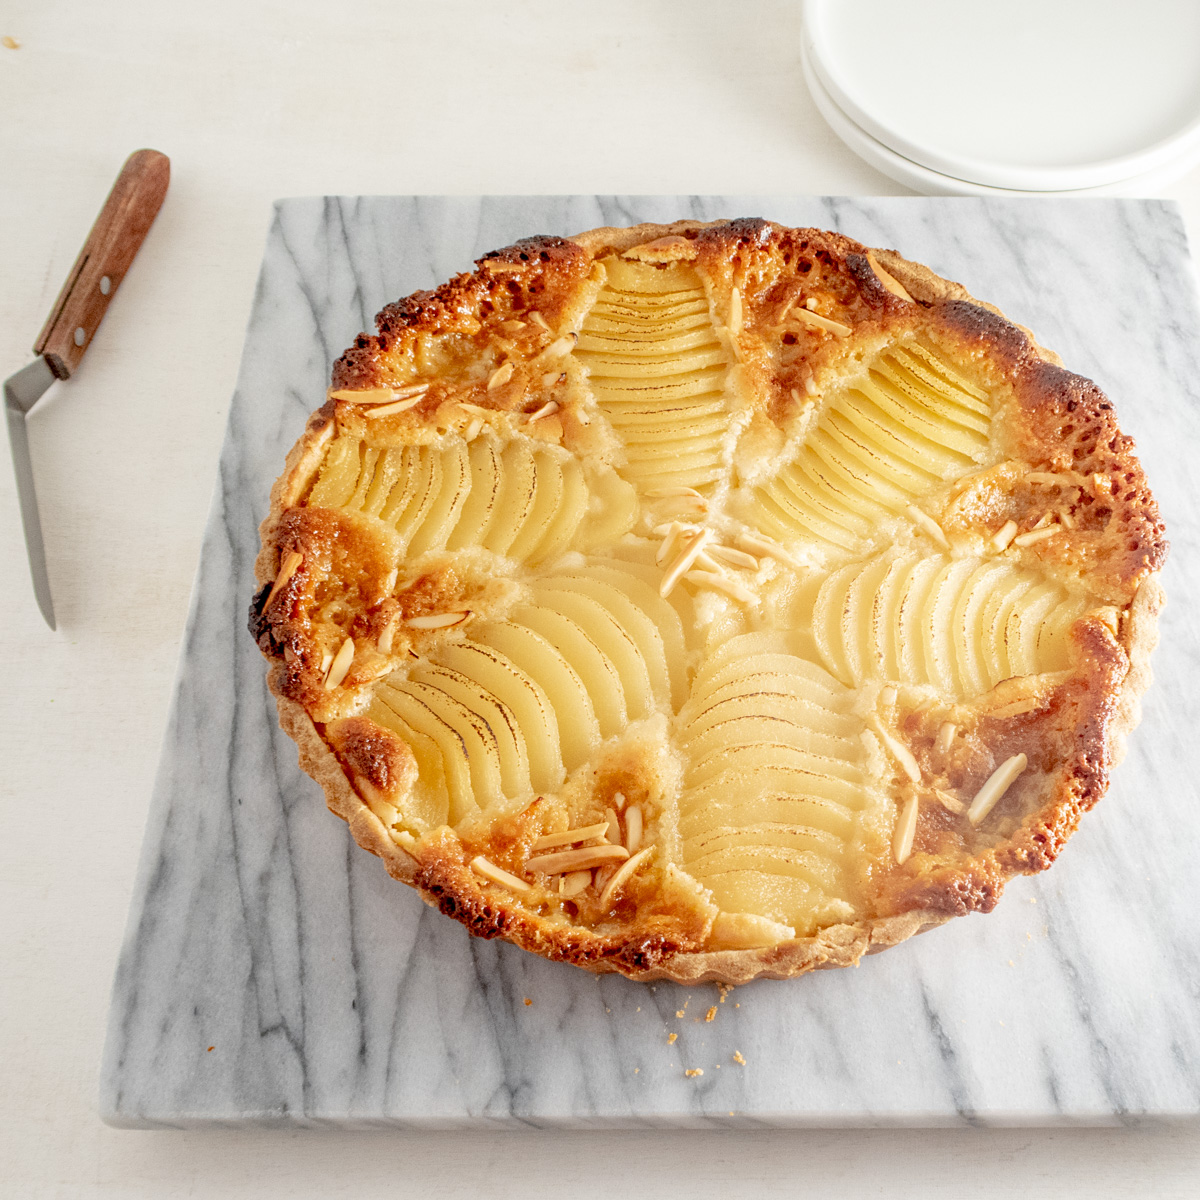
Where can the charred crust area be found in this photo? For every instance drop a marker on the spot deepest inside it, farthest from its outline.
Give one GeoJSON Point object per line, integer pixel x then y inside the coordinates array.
{"type": "Point", "coordinates": [539, 272]}
{"type": "Point", "coordinates": [449, 885]}
{"type": "Point", "coordinates": [1069, 426]}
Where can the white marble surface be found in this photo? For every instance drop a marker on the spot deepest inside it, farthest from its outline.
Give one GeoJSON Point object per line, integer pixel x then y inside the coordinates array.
{"type": "Point", "coordinates": [272, 972]}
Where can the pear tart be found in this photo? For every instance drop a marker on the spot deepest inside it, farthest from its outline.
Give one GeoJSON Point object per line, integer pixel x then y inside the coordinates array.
{"type": "Point", "coordinates": [708, 601]}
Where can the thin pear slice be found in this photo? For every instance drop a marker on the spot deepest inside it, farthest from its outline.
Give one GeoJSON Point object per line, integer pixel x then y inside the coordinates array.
{"type": "Point", "coordinates": [482, 500]}
{"type": "Point", "coordinates": [444, 512]}
{"type": "Point", "coordinates": [580, 649]}
{"type": "Point", "coordinates": [613, 638]}
{"type": "Point", "coordinates": [429, 804]}
{"type": "Point", "coordinates": [543, 513]}
{"type": "Point", "coordinates": [476, 737]}
{"type": "Point", "coordinates": [523, 696]}
{"type": "Point", "coordinates": [419, 716]}
{"type": "Point", "coordinates": [338, 475]}
{"type": "Point", "coordinates": [428, 486]}
{"type": "Point", "coordinates": [578, 728]}
{"type": "Point", "coordinates": [516, 499]}
{"type": "Point", "coordinates": [572, 509]}
{"type": "Point", "coordinates": [404, 490]}
{"type": "Point", "coordinates": [500, 719]}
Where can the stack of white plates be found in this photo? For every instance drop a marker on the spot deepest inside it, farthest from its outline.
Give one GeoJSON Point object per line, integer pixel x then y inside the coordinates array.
{"type": "Point", "coordinates": [1011, 97]}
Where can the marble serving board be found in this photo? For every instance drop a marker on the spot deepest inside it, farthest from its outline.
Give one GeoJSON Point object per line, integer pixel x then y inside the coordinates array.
{"type": "Point", "coordinates": [272, 973]}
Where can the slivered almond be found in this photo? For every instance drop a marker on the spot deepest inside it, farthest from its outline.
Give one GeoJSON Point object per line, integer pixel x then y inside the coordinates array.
{"type": "Point", "coordinates": [1065, 519]}
{"type": "Point", "coordinates": [340, 666]}
{"type": "Point", "coordinates": [735, 312]}
{"type": "Point", "coordinates": [474, 426]}
{"type": "Point", "coordinates": [998, 782]}
{"type": "Point", "coordinates": [705, 563]}
{"type": "Point", "coordinates": [1049, 478]}
{"type": "Point", "coordinates": [386, 410]}
{"type": "Point", "coordinates": [437, 620]}
{"type": "Point", "coordinates": [948, 802]}
{"type": "Point", "coordinates": [582, 859]}
{"type": "Point", "coordinates": [570, 836]}
{"type": "Point", "coordinates": [550, 378]}
{"type": "Point", "coordinates": [664, 492]}
{"type": "Point", "coordinates": [619, 801]}
{"type": "Point", "coordinates": [612, 828]}
{"type": "Point", "coordinates": [758, 544]}
{"type": "Point", "coordinates": [500, 376]}
{"type": "Point", "coordinates": [668, 543]}
{"type": "Point", "coordinates": [721, 583]}
{"type": "Point", "coordinates": [927, 523]}
{"type": "Point", "coordinates": [623, 875]}
{"type": "Point", "coordinates": [478, 409]}
{"type": "Point", "coordinates": [810, 385]}
{"type": "Point", "coordinates": [1044, 520]}
{"type": "Point", "coordinates": [811, 304]}
{"type": "Point", "coordinates": [550, 407]}
{"type": "Point", "coordinates": [540, 321]}
{"type": "Point", "coordinates": [905, 831]}
{"type": "Point", "coordinates": [326, 662]}
{"type": "Point", "coordinates": [735, 558]}
{"type": "Point", "coordinates": [381, 395]}
{"type": "Point", "coordinates": [1004, 535]}
{"type": "Point", "coordinates": [574, 883]}
{"type": "Point", "coordinates": [819, 322]}
{"type": "Point", "coordinates": [287, 568]}
{"type": "Point", "coordinates": [387, 635]}
{"type": "Point", "coordinates": [512, 326]}
{"type": "Point", "coordinates": [633, 828]}
{"type": "Point", "coordinates": [683, 561]}
{"type": "Point", "coordinates": [489, 870]}
{"type": "Point", "coordinates": [1036, 535]}
{"type": "Point", "coordinates": [557, 348]}
{"type": "Point", "coordinates": [892, 284]}
{"type": "Point", "coordinates": [945, 736]}
{"type": "Point", "coordinates": [899, 751]}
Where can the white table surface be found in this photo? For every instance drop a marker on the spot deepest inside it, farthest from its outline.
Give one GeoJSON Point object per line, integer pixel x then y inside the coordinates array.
{"type": "Point", "coordinates": [265, 98]}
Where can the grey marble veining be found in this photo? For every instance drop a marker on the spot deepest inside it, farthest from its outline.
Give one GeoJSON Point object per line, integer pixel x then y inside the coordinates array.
{"type": "Point", "coordinates": [273, 973]}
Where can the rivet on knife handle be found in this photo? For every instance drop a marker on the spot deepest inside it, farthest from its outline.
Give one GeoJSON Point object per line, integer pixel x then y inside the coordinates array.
{"type": "Point", "coordinates": [111, 246]}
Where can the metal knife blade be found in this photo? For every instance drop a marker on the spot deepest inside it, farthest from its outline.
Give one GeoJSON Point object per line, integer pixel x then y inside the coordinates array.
{"type": "Point", "coordinates": [21, 392]}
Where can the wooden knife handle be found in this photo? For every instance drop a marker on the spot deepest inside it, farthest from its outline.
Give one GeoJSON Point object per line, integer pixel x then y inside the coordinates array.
{"type": "Point", "coordinates": [107, 254]}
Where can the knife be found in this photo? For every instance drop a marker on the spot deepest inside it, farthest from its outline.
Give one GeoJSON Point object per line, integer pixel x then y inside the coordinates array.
{"type": "Point", "coordinates": [110, 248]}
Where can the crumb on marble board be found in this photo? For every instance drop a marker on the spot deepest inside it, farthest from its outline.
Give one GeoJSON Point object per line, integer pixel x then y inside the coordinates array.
{"type": "Point", "coordinates": [711, 1015]}
{"type": "Point", "coordinates": [737, 1058]}
{"type": "Point", "coordinates": [10, 43]}
{"type": "Point", "coordinates": [671, 1038]}
{"type": "Point", "coordinates": [528, 1002]}
{"type": "Point", "coordinates": [692, 1072]}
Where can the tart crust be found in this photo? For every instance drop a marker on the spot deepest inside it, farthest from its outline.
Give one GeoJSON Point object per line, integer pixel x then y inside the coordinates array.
{"type": "Point", "coordinates": [1055, 422]}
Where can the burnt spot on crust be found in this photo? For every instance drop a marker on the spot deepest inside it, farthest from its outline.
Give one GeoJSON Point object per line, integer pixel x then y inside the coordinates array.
{"type": "Point", "coordinates": [260, 628]}
{"type": "Point", "coordinates": [543, 248]}
{"type": "Point", "coordinates": [981, 333]}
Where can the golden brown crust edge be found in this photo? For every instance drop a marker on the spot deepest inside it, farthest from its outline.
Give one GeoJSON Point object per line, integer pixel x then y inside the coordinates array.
{"type": "Point", "coordinates": [839, 945]}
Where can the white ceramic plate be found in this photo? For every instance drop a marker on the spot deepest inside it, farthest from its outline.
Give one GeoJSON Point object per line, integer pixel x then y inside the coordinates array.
{"type": "Point", "coordinates": [1030, 95]}
{"type": "Point", "coordinates": [933, 183]}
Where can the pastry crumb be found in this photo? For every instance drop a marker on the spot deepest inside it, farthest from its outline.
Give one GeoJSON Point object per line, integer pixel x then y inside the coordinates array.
{"type": "Point", "coordinates": [10, 43]}
{"type": "Point", "coordinates": [711, 1015]}
{"type": "Point", "coordinates": [671, 1038]}
{"type": "Point", "coordinates": [692, 1072]}
{"type": "Point", "coordinates": [724, 989]}
{"type": "Point", "coordinates": [528, 1002]}
{"type": "Point", "coordinates": [737, 1058]}
{"type": "Point", "coordinates": [211, 1049]}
